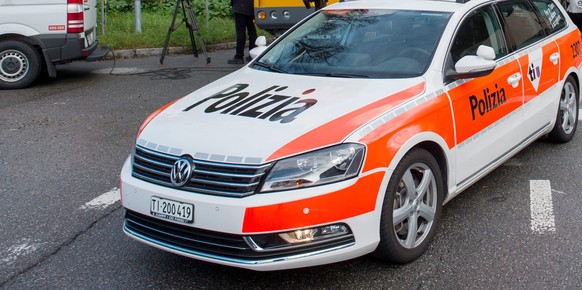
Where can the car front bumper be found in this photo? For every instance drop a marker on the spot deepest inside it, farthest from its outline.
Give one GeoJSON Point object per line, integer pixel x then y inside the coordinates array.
{"type": "Point", "coordinates": [224, 228]}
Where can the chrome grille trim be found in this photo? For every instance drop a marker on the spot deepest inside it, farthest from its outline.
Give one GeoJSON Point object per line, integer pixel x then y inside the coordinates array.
{"type": "Point", "coordinates": [212, 178]}
{"type": "Point", "coordinates": [232, 175]}
{"type": "Point", "coordinates": [152, 170]}
{"type": "Point", "coordinates": [153, 161]}
{"type": "Point", "coordinates": [158, 154]}
{"type": "Point", "coordinates": [221, 183]}
{"type": "Point", "coordinates": [237, 166]}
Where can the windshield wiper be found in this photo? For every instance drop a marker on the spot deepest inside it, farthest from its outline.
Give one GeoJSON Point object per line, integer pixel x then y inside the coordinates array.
{"type": "Point", "coordinates": [269, 67]}
{"type": "Point", "coordinates": [336, 75]}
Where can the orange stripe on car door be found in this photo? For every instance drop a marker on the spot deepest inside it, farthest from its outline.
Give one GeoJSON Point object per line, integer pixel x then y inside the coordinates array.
{"type": "Point", "coordinates": [471, 119]}
{"type": "Point", "coordinates": [548, 72]}
{"type": "Point", "coordinates": [335, 131]}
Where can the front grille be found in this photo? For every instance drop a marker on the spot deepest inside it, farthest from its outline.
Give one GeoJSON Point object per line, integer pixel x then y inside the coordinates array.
{"type": "Point", "coordinates": [208, 178]}
{"type": "Point", "coordinates": [200, 242]}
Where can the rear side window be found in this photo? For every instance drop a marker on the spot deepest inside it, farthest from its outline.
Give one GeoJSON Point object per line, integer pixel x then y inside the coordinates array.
{"type": "Point", "coordinates": [550, 14]}
{"type": "Point", "coordinates": [522, 22]}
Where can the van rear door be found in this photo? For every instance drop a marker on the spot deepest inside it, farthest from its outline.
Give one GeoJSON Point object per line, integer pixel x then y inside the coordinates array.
{"type": "Point", "coordinates": [90, 14]}
{"type": "Point", "coordinates": [90, 18]}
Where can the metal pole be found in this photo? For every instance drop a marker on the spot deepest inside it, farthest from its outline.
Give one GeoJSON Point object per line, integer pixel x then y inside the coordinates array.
{"type": "Point", "coordinates": [102, 16]}
{"type": "Point", "coordinates": [207, 13]}
{"type": "Point", "coordinates": [138, 16]}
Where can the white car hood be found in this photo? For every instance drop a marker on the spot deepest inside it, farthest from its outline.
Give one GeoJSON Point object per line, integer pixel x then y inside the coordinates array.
{"type": "Point", "coordinates": [253, 116]}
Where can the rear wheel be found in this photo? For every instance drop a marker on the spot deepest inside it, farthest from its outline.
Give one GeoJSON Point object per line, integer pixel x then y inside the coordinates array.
{"type": "Point", "coordinates": [567, 117]}
{"type": "Point", "coordinates": [411, 209]}
{"type": "Point", "coordinates": [20, 64]}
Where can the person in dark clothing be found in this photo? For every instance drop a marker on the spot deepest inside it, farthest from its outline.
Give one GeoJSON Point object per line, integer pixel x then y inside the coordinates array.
{"type": "Point", "coordinates": [244, 19]}
{"type": "Point", "coordinates": [318, 4]}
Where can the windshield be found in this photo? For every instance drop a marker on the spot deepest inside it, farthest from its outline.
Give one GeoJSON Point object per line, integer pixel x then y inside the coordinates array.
{"type": "Point", "coordinates": [358, 44]}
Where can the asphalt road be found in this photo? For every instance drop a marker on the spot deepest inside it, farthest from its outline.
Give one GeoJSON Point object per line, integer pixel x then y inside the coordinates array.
{"type": "Point", "coordinates": [63, 142]}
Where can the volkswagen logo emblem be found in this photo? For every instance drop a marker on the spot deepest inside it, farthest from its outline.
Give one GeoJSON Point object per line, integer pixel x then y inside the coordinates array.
{"type": "Point", "coordinates": [181, 172]}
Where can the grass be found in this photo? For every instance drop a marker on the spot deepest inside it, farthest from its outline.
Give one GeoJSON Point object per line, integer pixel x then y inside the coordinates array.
{"type": "Point", "coordinates": [120, 31]}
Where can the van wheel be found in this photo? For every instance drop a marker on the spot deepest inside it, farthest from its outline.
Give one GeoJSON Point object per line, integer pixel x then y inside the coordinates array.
{"type": "Point", "coordinates": [567, 118]}
{"type": "Point", "coordinates": [411, 209]}
{"type": "Point", "coordinates": [20, 64]}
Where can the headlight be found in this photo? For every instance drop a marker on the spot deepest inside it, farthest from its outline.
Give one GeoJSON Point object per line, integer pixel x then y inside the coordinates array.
{"type": "Point", "coordinates": [315, 168]}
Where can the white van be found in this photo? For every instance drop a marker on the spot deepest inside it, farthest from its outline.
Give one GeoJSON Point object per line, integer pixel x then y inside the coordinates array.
{"type": "Point", "coordinates": [572, 6]}
{"type": "Point", "coordinates": [37, 33]}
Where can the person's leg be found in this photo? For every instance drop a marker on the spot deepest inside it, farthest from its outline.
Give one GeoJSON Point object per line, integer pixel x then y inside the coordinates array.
{"type": "Point", "coordinates": [252, 30]}
{"type": "Point", "coordinates": [239, 24]}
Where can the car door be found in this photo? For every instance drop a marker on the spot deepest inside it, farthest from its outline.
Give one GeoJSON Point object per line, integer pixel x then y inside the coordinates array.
{"type": "Point", "coordinates": [539, 59]}
{"type": "Point", "coordinates": [486, 109]}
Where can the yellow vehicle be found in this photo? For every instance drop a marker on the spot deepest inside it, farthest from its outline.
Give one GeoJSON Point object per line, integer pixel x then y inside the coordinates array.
{"type": "Point", "coordinates": [276, 16]}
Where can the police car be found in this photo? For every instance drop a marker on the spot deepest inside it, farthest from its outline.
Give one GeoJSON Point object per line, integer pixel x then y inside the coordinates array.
{"type": "Point", "coordinates": [347, 135]}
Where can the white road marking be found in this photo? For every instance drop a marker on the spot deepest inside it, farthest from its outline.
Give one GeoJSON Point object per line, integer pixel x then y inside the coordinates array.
{"type": "Point", "coordinates": [103, 201]}
{"type": "Point", "coordinates": [13, 253]}
{"type": "Point", "coordinates": [580, 114]}
{"type": "Point", "coordinates": [542, 211]}
{"type": "Point", "coordinates": [27, 246]}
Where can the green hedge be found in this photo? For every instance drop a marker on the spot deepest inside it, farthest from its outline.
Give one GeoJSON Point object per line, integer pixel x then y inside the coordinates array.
{"type": "Point", "coordinates": [216, 8]}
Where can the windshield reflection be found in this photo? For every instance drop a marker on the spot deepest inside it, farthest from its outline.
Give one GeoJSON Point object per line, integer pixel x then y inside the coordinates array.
{"type": "Point", "coordinates": [358, 44]}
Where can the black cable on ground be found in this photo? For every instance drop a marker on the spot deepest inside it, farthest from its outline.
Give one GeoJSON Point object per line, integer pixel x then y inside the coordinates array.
{"type": "Point", "coordinates": [177, 73]}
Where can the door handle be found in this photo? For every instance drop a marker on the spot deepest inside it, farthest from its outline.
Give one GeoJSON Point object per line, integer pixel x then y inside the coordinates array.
{"type": "Point", "coordinates": [555, 57]}
{"type": "Point", "coordinates": [514, 79]}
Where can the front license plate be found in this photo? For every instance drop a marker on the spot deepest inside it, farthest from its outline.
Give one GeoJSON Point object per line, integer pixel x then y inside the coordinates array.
{"type": "Point", "coordinates": [172, 210]}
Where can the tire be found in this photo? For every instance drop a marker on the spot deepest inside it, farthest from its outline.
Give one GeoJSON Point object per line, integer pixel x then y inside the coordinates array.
{"type": "Point", "coordinates": [20, 64]}
{"type": "Point", "coordinates": [423, 206]}
{"type": "Point", "coordinates": [567, 117]}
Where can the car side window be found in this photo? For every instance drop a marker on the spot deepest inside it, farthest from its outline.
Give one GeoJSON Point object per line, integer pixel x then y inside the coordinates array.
{"type": "Point", "coordinates": [481, 27]}
{"type": "Point", "coordinates": [551, 16]}
{"type": "Point", "coordinates": [522, 22]}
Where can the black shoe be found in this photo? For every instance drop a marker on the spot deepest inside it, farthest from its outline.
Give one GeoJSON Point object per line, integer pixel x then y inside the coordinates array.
{"type": "Point", "coordinates": [236, 61]}
{"type": "Point", "coordinates": [248, 58]}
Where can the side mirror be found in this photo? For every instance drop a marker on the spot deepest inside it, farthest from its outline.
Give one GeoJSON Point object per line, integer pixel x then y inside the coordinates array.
{"type": "Point", "coordinates": [261, 45]}
{"type": "Point", "coordinates": [472, 66]}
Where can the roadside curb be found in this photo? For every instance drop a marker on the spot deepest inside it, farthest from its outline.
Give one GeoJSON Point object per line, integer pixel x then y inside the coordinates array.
{"type": "Point", "coordinates": [142, 52]}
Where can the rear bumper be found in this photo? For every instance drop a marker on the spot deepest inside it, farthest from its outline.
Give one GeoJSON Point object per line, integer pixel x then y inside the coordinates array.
{"type": "Point", "coordinates": [64, 48]}
{"type": "Point", "coordinates": [98, 53]}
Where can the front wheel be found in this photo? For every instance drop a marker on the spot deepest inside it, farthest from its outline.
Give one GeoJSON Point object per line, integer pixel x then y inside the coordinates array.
{"type": "Point", "coordinates": [567, 117]}
{"type": "Point", "coordinates": [20, 64]}
{"type": "Point", "coordinates": [411, 209]}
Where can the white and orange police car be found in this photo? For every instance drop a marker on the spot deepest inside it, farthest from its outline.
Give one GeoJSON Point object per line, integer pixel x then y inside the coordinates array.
{"type": "Point", "coordinates": [347, 134]}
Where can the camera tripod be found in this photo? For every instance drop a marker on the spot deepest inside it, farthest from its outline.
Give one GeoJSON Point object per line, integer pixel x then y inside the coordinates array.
{"type": "Point", "coordinates": [192, 25]}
